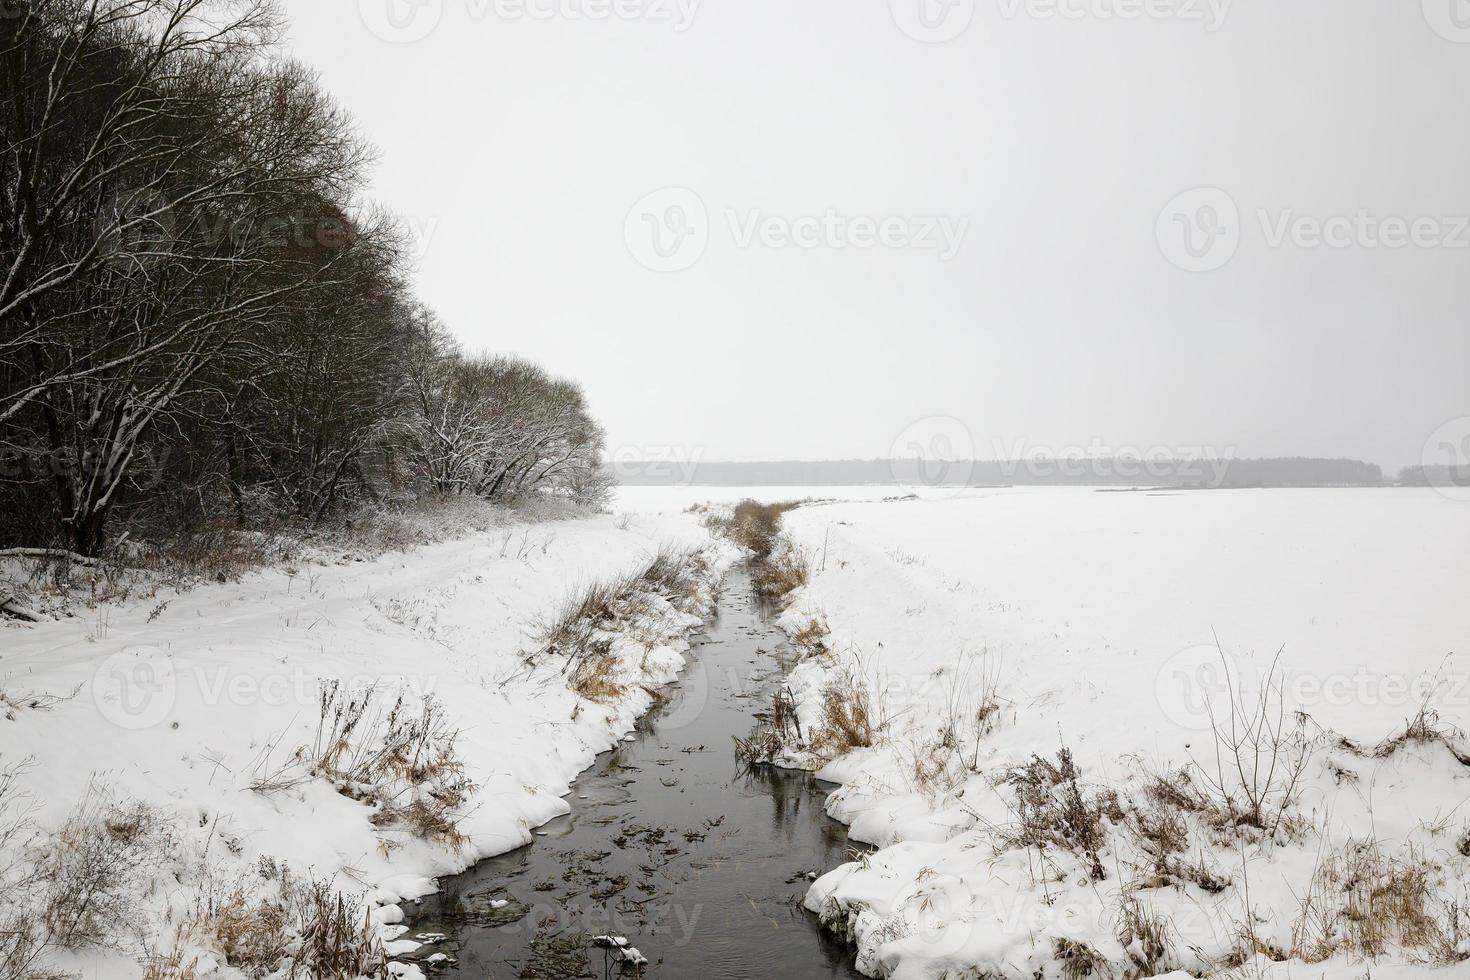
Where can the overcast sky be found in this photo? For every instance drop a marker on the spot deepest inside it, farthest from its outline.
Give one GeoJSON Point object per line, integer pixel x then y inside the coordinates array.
{"type": "Point", "coordinates": [884, 212]}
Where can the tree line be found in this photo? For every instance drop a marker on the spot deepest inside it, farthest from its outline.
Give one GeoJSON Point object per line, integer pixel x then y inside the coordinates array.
{"type": "Point", "coordinates": [1110, 471]}
{"type": "Point", "coordinates": [200, 315]}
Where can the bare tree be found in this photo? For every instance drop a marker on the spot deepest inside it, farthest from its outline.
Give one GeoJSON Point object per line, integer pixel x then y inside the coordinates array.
{"type": "Point", "coordinates": [188, 277]}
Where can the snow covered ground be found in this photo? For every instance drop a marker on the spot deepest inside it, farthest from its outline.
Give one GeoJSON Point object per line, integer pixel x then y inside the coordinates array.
{"type": "Point", "coordinates": [194, 704]}
{"type": "Point", "coordinates": [989, 630]}
{"type": "Point", "coordinates": [998, 627]}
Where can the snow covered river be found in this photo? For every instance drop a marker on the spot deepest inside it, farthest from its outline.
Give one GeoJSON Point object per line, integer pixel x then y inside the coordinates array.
{"type": "Point", "coordinates": [700, 864]}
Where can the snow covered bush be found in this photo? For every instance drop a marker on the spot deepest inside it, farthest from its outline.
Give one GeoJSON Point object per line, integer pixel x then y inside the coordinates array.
{"type": "Point", "coordinates": [1053, 811]}
{"type": "Point", "coordinates": [289, 926]}
{"type": "Point", "coordinates": [79, 887]}
{"type": "Point", "coordinates": [784, 570]}
{"type": "Point", "coordinates": [92, 871]}
{"type": "Point", "coordinates": [402, 761]}
{"type": "Point", "coordinates": [600, 616]}
{"type": "Point", "coordinates": [847, 719]}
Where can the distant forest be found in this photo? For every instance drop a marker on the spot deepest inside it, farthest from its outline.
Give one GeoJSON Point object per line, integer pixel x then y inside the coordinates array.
{"type": "Point", "coordinates": [1105, 472]}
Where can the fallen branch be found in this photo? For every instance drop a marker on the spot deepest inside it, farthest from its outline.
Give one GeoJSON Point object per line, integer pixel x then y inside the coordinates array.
{"type": "Point", "coordinates": [70, 556]}
{"type": "Point", "coordinates": [11, 607]}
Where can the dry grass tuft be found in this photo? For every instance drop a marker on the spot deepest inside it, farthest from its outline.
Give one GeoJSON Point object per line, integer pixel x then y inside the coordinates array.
{"type": "Point", "coordinates": [171, 966]}
{"type": "Point", "coordinates": [79, 887]}
{"type": "Point", "coordinates": [1054, 812]}
{"type": "Point", "coordinates": [403, 762]}
{"type": "Point", "coordinates": [774, 731]}
{"type": "Point", "coordinates": [677, 575]}
{"type": "Point", "coordinates": [780, 574]}
{"type": "Point", "coordinates": [1425, 728]}
{"type": "Point", "coordinates": [594, 676]}
{"type": "Point", "coordinates": [811, 640]}
{"type": "Point", "coordinates": [847, 717]}
{"type": "Point", "coordinates": [1367, 903]}
{"type": "Point", "coordinates": [93, 869]}
{"type": "Point", "coordinates": [1160, 824]}
{"type": "Point", "coordinates": [296, 928]}
{"type": "Point", "coordinates": [1146, 936]}
{"type": "Point", "coordinates": [1079, 960]}
{"type": "Point", "coordinates": [592, 618]}
{"type": "Point", "coordinates": [752, 525]}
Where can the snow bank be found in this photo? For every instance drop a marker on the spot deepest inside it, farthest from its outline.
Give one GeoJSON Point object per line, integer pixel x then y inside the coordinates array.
{"type": "Point", "coordinates": [995, 629]}
{"type": "Point", "coordinates": [186, 702]}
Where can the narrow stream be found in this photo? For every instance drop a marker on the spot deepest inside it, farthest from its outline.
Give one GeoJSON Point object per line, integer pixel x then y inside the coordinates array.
{"type": "Point", "coordinates": [699, 863]}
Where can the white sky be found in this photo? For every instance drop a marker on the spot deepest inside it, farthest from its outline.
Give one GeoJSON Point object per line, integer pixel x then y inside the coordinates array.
{"type": "Point", "coordinates": [519, 144]}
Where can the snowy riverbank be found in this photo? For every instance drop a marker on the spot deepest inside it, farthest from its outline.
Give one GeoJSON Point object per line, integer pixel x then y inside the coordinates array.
{"type": "Point", "coordinates": [207, 709]}
{"type": "Point", "coordinates": [991, 632]}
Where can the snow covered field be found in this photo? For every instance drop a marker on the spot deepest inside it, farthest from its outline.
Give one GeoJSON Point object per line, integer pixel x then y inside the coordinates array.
{"type": "Point", "coordinates": [993, 630]}
{"type": "Point", "coordinates": [667, 500]}
{"type": "Point", "coordinates": [196, 705]}
{"type": "Point", "coordinates": [1069, 769]}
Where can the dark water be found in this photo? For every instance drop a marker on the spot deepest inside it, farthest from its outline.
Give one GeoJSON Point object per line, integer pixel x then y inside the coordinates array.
{"type": "Point", "coordinates": [700, 863]}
